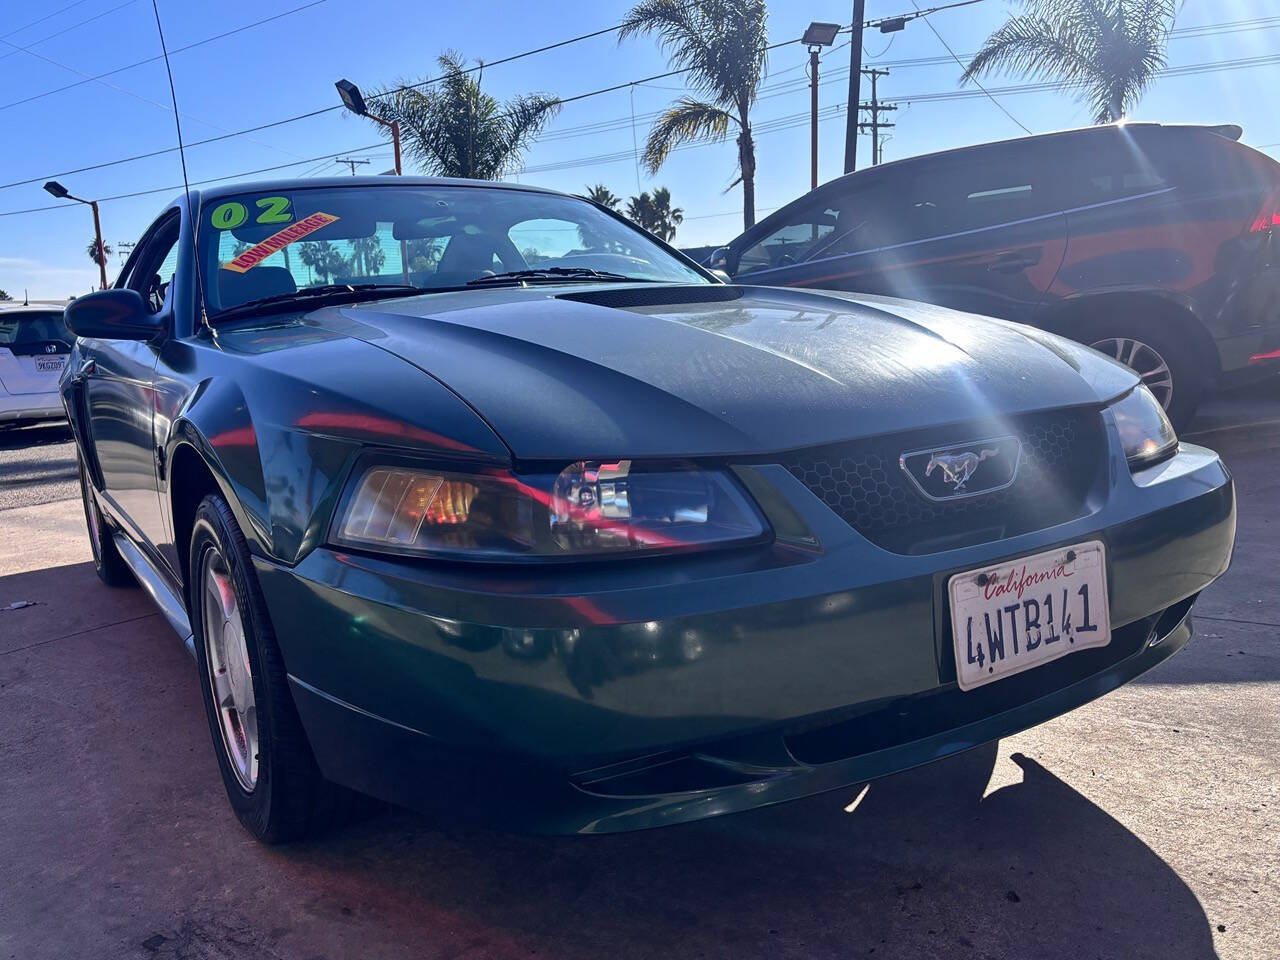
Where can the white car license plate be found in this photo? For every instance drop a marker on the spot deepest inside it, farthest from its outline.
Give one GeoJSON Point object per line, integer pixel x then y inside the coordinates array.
{"type": "Point", "coordinates": [1019, 614]}
{"type": "Point", "coordinates": [50, 364]}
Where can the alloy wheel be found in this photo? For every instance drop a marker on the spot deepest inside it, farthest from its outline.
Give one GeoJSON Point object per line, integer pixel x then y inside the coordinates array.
{"type": "Point", "coordinates": [1145, 360]}
{"type": "Point", "coordinates": [230, 675]}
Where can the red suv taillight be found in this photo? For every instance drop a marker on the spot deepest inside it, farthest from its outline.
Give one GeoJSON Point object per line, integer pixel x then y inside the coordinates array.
{"type": "Point", "coordinates": [1269, 215]}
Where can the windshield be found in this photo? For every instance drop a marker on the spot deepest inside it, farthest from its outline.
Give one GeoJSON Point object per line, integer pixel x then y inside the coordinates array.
{"type": "Point", "coordinates": [22, 328]}
{"type": "Point", "coordinates": [268, 244]}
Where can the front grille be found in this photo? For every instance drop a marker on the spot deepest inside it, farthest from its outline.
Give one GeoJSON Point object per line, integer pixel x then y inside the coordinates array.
{"type": "Point", "coordinates": [1063, 453]}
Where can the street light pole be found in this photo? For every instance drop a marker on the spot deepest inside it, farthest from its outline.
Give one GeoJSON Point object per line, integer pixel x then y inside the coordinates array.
{"type": "Point", "coordinates": [102, 253]}
{"type": "Point", "coordinates": [353, 99]}
{"type": "Point", "coordinates": [818, 35]}
{"type": "Point", "coordinates": [54, 188]}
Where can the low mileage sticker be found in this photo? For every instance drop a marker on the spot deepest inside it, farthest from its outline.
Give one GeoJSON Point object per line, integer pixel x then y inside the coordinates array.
{"type": "Point", "coordinates": [278, 241]}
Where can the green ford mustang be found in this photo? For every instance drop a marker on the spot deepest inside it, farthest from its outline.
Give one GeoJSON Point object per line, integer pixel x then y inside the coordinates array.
{"type": "Point", "coordinates": [476, 497]}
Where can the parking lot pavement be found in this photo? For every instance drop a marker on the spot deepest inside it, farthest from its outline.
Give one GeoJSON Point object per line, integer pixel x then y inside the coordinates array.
{"type": "Point", "coordinates": [1142, 825]}
{"type": "Point", "coordinates": [37, 465]}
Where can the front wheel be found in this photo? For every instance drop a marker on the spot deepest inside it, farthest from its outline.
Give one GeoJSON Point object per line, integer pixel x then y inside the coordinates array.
{"type": "Point", "coordinates": [1161, 355]}
{"type": "Point", "coordinates": [270, 774]}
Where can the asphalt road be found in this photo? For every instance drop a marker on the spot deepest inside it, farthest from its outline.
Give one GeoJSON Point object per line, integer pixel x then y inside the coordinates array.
{"type": "Point", "coordinates": [37, 465]}
{"type": "Point", "coordinates": [1144, 825]}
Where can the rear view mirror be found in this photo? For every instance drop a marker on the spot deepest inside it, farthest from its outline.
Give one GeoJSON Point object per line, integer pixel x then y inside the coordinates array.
{"type": "Point", "coordinates": [719, 259]}
{"type": "Point", "coordinates": [112, 315]}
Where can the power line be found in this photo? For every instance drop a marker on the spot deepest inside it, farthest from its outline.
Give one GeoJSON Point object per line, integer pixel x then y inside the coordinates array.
{"type": "Point", "coordinates": [1024, 127]}
{"type": "Point", "coordinates": [600, 126]}
{"type": "Point", "coordinates": [139, 63]}
{"type": "Point", "coordinates": [199, 183]}
{"type": "Point", "coordinates": [47, 16]}
{"type": "Point", "coordinates": [786, 122]}
{"type": "Point", "coordinates": [74, 26]}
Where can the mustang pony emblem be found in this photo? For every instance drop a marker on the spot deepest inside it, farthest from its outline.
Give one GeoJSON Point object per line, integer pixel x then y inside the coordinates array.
{"type": "Point", "coordinates": [957, 468]}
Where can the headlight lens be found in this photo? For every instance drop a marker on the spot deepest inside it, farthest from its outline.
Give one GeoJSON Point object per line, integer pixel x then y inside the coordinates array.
{"type": "Point", "coordinates": [1145, 431]}
{"type": "Point", "coordinates": [588, 508]}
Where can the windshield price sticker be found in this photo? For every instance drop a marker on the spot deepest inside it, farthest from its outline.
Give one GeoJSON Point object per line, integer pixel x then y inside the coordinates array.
{"type": "Point", "coordinates": [278, 241]}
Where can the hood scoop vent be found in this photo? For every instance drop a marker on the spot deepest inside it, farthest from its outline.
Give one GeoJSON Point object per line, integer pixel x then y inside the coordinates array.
{"type": "Point", "coordinates": [664, 295]}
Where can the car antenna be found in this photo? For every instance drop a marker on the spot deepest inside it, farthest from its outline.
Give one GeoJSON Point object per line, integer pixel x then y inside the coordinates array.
{"type": "Point", "coordinates": [186, 186]}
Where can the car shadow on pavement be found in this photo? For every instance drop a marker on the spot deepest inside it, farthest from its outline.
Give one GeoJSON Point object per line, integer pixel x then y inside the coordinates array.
{"type": "Point", "coordinates": [924, 866]}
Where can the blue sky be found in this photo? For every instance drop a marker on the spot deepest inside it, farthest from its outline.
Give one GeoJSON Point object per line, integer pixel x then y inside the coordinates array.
{"type": "Point", "coordinates": [288, 67]}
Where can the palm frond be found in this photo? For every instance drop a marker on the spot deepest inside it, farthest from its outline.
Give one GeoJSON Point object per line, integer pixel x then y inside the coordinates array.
{"type": "Point", "coordinates": [1032, 47]}
{"type": "Point", "coordinates": [686, 121]}
{"type": "Point", "coordinates": [524, 118]}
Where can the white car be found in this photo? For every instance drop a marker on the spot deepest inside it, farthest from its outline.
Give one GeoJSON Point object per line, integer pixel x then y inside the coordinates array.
{"type": "Point", "coordinates": [34, 346]}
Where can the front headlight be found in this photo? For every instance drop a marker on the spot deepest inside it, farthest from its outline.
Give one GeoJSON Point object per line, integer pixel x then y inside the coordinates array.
{"type": "Point", "coordinates": [589, 508]}
{"type": "Point", "coordinates": [1145, 431]}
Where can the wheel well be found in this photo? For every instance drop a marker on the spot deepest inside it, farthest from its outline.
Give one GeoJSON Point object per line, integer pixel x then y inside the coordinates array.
{"type": "Point", "coordinates": [190, 481]}
{"type": "Point", "coordinates": [1071, 316]}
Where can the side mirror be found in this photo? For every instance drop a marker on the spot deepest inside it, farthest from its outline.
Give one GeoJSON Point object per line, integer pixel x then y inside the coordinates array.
{"type": "Point", "coordinates": [720, 275]}
{"type": "Point", "coordinates": [719, 259]}
{"type": "Point", "coordinates": [112, 315]}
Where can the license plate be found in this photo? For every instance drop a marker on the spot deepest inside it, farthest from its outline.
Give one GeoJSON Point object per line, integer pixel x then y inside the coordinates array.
{"type": "Point", "coordinates": [1020, 614]}
{"type": "Point", "coordinates": [50, 364]}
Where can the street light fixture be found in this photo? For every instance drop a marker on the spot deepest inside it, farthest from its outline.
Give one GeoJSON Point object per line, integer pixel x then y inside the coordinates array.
{"type": "Point", "coordinates": [353, 100]}
{"type": "Point", "coordinates": [56, 189]}
{"type": "Point", "coordinates": [818, 35]}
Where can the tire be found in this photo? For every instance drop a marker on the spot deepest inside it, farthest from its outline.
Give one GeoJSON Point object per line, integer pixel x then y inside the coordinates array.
{"type": "Point", "coordinates": [271, 777]}
{"type": "Point", "coordinates": [1160, 352]}
{"type": "Point", "coordinates": [107, 562]}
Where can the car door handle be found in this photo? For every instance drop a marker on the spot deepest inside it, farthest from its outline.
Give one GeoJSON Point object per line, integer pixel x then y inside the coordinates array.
{"type": "Point", "coordinates": [1013, 262]}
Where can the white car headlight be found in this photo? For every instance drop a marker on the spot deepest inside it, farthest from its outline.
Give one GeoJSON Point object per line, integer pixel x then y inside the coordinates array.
{"type": "Point", "coordinates": [1144, 428]}
{"type": "Point", "coordinates": [589, 508]}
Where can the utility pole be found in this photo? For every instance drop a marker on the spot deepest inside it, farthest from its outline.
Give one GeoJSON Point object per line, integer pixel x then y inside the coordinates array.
{"type": "Point", "coordinates": [855, 84]}
{"type": "Point", "coordinates": [351, 163]}
{"type": "Point", "coordinates": [875, 108]}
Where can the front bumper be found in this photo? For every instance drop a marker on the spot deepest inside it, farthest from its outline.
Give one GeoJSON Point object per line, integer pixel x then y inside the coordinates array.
{"type": "Point", "coordinates": [634, 694]}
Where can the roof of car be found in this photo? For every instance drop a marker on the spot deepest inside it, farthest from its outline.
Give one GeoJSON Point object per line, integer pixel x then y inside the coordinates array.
{"type": "Point", "coordinates": [1227, 130]}
{"type": "Point", "coordinates": [296, 183]}
{"type": "Point", "coordinates": [35, 306]}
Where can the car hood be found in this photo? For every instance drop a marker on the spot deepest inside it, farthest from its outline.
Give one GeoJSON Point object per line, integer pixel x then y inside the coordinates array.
{"type": "Point", "coordinates": [579, 371]}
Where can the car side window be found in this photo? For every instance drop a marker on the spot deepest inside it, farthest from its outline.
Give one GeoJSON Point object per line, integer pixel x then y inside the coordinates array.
{"type": "Point", "coordinates": [808, 225]}
{"type": "Point", "coordinates": [153, 269]}
{"type": "Point", "coordinates": [973, 190]}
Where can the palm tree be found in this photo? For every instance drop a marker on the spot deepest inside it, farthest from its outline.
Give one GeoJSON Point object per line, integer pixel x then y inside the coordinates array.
{"type": "Point", "coordinates": [723, 44]}
{"type": "Point", "coordinates": [1106, 52]}
{"type": "Point", "coordinates": [455, 129]}
{"type": "Point", "coordinates": [603, 196]}
{"type": "Point", "coordinates": [367, 256]}
{"type": "Point", "coordinates": [655, 213]}
{"type": "Point", "coordinates": [93, 251]}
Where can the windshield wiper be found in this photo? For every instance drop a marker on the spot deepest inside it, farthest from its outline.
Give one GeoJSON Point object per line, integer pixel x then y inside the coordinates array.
{"type": "Point", "coordinates": [325, 290]}
{"type": "Point", "coordinates": [554, 273]}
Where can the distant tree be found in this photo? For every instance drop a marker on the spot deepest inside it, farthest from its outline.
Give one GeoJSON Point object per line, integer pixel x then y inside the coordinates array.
{"type": "Point", "coordinates": [4, 295]}
{"type": "Point", "coordinates": [367, 256]}
{"type": "Point", "coordinates": [655, 213]}
{"type": "Point", "coordinates": [1106, 52]}
{"type": "Point", "coordinates": [723, 44]}
{"type": "Point", "coordinates": [604, 196]}
{"type": "Point", "coordinates": [455, 129]}
{"type": "Point", "coordinates": [92, 250]}
{"type": "Point", "coordinates": [323, 259]}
